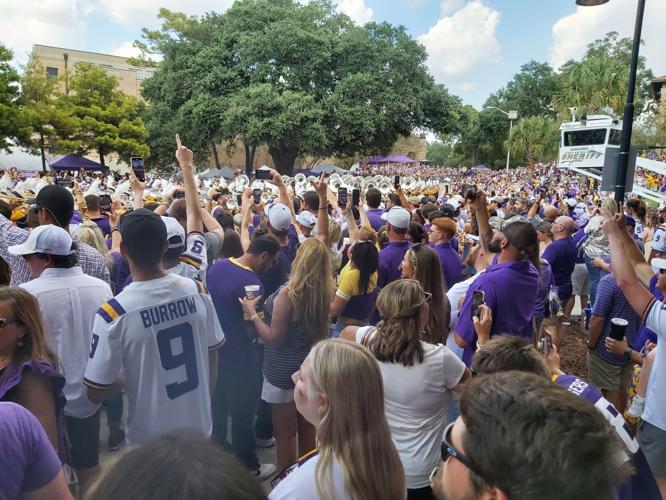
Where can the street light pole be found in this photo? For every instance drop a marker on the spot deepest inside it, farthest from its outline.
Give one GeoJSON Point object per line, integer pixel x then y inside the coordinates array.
{"type": "Point", "coordinates": [628, 117]}
{"type": "Point", "coordinates": [512, 115]}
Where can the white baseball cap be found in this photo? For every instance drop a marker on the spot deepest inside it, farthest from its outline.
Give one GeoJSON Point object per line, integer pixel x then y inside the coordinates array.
{"type": "Point", "coordinates": [175, 232]}
{"type": "Point", "coordinates": [48, 239]}
{"type": "Point", "coordinates": [397, 217]}
{"type": "Point", "coordinates": [306, 219]}
{"type": "Point", "coordinates": [658, 263]}
{"type": "Point", "coordinates": [279, 216]}
{"type": "Point", "coordinates": [659, 240]}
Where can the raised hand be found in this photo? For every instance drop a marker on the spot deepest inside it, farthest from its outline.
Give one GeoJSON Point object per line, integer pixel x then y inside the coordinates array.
{"type": "Point", "coordinates": [183, 155]}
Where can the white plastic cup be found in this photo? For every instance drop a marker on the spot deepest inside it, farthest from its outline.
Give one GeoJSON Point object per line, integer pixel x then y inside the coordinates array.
{"type": "Point", "coordinates": [251, 291]}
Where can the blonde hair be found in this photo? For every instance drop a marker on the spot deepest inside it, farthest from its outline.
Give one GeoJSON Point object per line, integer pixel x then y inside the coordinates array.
{"type": "Point", "coordinates": [353, 430]}
{"type": "Point", "coordinates": [89, 233]}
{"type": "Point", "coordinates": [366, 233]}
{"type": "Point", "coordinates": [33, 344]}
{"type": "Point", "coordinates": [311, 287]}
{"type": "Point", "coordinates": [398, 337]}
{"type": "Point", "coordinates": [334, 232]}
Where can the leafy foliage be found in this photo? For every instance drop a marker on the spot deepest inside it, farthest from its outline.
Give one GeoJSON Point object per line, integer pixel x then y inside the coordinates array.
{"type": "Point", "coordinates": [11, 125]}
{"type": "Point", "coordinates": [534, 139]}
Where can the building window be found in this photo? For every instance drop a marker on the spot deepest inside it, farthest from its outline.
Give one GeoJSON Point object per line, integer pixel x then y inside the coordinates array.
{"type": "Point", "coordinates": [51, 72]}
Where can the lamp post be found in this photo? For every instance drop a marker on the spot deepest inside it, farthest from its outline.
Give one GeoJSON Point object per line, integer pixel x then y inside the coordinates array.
{"type": "Point", "coordinates": [628, 117]}
{"type": "Point", "coordinates": [512, 115]}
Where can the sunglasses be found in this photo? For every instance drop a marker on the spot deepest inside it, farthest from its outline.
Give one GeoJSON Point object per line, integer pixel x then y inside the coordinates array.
{"type": "Point", "coordinates": [4, 322]}
{"type": "Point", "coordinates": [448, 450]}
{"type": "Point", "coordinates": [662, 271]}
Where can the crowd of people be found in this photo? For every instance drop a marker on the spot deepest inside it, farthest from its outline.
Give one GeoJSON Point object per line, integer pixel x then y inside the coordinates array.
{"type": "Point", "coordinates": [400, 346]}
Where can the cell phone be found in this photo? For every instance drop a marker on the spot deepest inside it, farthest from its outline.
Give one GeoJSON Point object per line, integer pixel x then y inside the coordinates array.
{"type": "Point", "coordinates": [342, 196]}
{"type": "Point", "coordinates": [64, 182]}
{"type": "Point", "coordinates": [468, 192]}
{"type": "Point", "coordinates": [178, 194]}
{"type": "Point", "coordinates": [137, 168]}
{"type": "Point", "coordinates": [256, 194]}
{"type": "Point", "coordinates": [263, 174]}
{"type": "Point", "coordinates": [547, 343]}
{"type": "Point", "coordinates": [478, 298]}
{"type": "Point", "coordinates": [105, 203]}
{"type": "Point", "coordinates": [396, 182]}
{"type": "Point", "coordinates": [356, 197]}
{"type": "Point", "coordinates": [239, 199]}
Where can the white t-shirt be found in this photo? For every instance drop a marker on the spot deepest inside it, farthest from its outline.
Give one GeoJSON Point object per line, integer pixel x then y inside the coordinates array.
{"type": "Point", "coordinates": [68, 300]}
{"type": "Point", "coordinates": [417, 400]}
{"type": "Point", "coordinates": [159, 333]}
{"type": "Point", "coordinates": [455, 293]}
{"type": "Point", "coordinates": [655, 402]}
{"type": "Point", "coordinates": [193, 262]}
{"type": "Point", "coordinates": [300, 483]}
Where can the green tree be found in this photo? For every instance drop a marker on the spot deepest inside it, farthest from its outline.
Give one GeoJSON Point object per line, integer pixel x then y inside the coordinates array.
{"type": "Point", "coordinates": [11, 125]}
{"type": "Point", "coordinates": [534, 139]}
{"type": "Point", "coordinates": [105, 119]}
{"type": "Point", "coordinates": [309, 82]}
{"type": "Point", "coordinates": [439, 153]}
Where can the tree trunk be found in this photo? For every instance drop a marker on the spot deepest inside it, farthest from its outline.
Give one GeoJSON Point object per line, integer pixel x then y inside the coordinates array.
{"type": "Point", "coordinates": [284, 159]}
{"type": "Point", "coordinates": [43, 151]}
{"type": "Point", "coordinates": [250, 152]}
{"type": "Point", "coordinates": [216, 157]}
{"type": "Point", "coordinates": [105, 170]}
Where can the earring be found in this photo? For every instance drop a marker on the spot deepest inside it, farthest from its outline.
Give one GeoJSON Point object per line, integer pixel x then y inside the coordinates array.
{"type": "Point", "coordinates": [20, 343]}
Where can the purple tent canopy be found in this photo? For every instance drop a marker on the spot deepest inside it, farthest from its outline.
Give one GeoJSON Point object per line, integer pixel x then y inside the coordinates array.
{"type": "Point", "coordinates": [483, 166]}
{"type": "Point", "coordinates": [73, 162]}
{"type": "Point", "coordinates": [392, 158]}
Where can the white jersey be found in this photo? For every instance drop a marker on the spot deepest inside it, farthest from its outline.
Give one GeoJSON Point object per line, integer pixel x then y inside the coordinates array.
{"type": "Point", "coordinates": [159, 333]}
{"type": "Point", "coordinates": [193, 262]}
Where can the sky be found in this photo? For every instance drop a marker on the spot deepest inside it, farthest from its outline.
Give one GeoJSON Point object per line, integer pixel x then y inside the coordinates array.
{"type": "Point", "coordinates": [474, 46]}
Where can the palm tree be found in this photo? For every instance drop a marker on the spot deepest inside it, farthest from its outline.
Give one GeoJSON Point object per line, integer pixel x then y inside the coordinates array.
{"type": "Point", "coordinates": [535, 139]}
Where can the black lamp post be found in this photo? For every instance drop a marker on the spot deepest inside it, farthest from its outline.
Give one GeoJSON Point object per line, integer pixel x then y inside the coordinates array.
{"type": "Point", "coordinates": [628, 118]}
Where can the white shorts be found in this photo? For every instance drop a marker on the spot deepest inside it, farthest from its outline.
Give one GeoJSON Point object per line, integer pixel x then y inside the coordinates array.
{"type": "Point", "coordinates": [275, 395]}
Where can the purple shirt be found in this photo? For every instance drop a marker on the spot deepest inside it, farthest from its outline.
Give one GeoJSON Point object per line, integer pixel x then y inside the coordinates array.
{"type": "Point", "coordinates": [375, 218]}
{"type": "Point", "coordinates": [390, 258]}
{"type": "Point", "coordinates": [226, 282]}
{"type": "Point", "coordinates": [28, 461]}
{"type": "Point", "coordinates": [276, 276]}
{"type": "Point", "coordinates": [562, 255]}
{"type": "Point", "coordinates": [546, 280]}
{"type": "Point", "coordinates": [450, 261]}
{"type": "Point", "coordinates": [103, 224]}
{"type": "Point", "coordinates": [611, 303]}
{"type": "Point", "coordinates": [510, 289]}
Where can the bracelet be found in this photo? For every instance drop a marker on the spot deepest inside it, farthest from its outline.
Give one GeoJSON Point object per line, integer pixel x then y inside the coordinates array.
{"type": "Point", "coordinates": [479, 346]}
{"type": "Point", "coordinates": [253, 317]}
{"type": "Point", "coordinates": [629, 351]}
{"type": "Point", "coordinates": [323, 208]}
{"type": "Point", "coordinates": [115, 229]}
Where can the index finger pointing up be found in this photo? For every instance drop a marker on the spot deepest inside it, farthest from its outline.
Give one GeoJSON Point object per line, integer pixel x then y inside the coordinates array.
{"type": "Point", "coordinates": [178, 141]}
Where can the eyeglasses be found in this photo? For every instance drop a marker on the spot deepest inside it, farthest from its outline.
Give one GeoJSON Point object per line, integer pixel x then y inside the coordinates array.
{"type": "Point", "coordinates": [662, 271]}
{"type": "Point", "coordinates": [448, 450]}
{"type": "Point", "coordinates": [4, 322]}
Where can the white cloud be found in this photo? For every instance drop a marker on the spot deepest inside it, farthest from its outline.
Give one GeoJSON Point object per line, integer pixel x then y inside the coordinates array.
{"type": "Point", "coordinates": [356, 9]}
{"type": "Point", "coordinates": [571, 34]}
{"type": "Point", "coordinates": [450, 6]}
{"type": "Point", "coordinates": [125, 49]}
{"type": "Point", "coordinates": [460, 43]}
{"type": "Point", "coordinates": [46, 22]}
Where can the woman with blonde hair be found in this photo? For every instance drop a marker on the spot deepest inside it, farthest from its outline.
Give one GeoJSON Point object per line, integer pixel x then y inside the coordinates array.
{"type": "Point", "coordinates": [88, 232]}
{"type": "Point", "coordinates": [419, 379]}
{"type": "Point", "coordinates": [339, 391]}
{"type": "Point", "coordinates": [422, 264]}
{"type": "Point", "coordinates": [29, 370]}
{"type": "Point", "coordinates": [295, 317]}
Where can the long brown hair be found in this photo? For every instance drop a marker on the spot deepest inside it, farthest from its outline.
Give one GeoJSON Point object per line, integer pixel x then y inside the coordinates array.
{"type": "Point", "coordinates": [398, 337]}
{"type": "Point", "coordinates": [429, 273]}
{"type": "Point", "coordinates": [353, 430]}
{"type": "Point", "coordinates": [33, 344]}
{"type": "Point", "coordinates": [311, 287]}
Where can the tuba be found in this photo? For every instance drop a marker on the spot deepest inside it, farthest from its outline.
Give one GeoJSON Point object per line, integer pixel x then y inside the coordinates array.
{"type": "Point", "coordinates": [335, 182]}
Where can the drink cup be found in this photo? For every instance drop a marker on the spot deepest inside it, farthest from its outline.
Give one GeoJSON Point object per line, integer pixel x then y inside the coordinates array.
{"type": "Point", "coordinates": [618, 328]}
{"type": "Point", "coordinates": [251, 291]}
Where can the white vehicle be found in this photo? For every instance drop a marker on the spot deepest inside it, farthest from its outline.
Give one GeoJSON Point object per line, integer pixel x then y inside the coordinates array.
{"type": "Point", "coordinates": [583, 147]}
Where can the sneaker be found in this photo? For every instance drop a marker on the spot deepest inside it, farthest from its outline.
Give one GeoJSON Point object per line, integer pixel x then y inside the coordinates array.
{"type": "Point", "coordinates": [116, 438]}
{"type": "Point", "coordinates": [264, 471]}
{"type": "Point", "coordinates": [265, 443]}
{"type": "Point", "coordinates": [636, 408]}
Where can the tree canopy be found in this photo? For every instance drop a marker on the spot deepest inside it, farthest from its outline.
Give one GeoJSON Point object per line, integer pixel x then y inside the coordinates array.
{"type": "Point", "coordinates": [11, 125]}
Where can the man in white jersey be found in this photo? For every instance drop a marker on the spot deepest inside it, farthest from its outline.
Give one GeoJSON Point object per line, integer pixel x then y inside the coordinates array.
{"type": "Point", "coordinates": [160, 331]}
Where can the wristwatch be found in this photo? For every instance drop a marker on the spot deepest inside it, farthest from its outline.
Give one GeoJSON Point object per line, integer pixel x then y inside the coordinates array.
{"type": "Point", "coordinates": [590, 346]}
{"type": "Point", "coordinates": [628, 352]}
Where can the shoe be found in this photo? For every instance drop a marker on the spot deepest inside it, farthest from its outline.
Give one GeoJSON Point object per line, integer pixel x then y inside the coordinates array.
{"type": "Point", "coordinates": [265, 443]}
{"type": "Point", "coordinates": [116, 438]}
{"type": "Point", "coordinates": [636, 408]}
{"type": "Point", "coordinates": [265, 471]}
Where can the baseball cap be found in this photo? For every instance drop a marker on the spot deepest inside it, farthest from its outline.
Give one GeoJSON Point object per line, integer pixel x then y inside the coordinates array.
{"type": "Point", "coordinates": [306, 219]}
{"type": "Point", "coordinates": [397, 217]}
{"type": "Point", "coordinates": [447, 210]}
{"type": "Point", "coordinates": [57, 199]}
{"type": "Point", "coordinates": [445, 224]}
{"type": "Point", "coordinates": [454, 203]}
{"type": "Point", "coordinates": [48, 239]}
{"type": "Point", "coordinates": [659, 240]}
{"type": "Point", "coordinates": [175, 232]}
{"type": "Point", "coordinates": [279, 216]}
{"type": "Point", "coordinates": [658, 263]}
{"type": "Point", "coordinates": [142, 228]}
{"type": "Point", "coordinates": [571, 202]}
{"type": "Point", "coordinates": [495, 222]}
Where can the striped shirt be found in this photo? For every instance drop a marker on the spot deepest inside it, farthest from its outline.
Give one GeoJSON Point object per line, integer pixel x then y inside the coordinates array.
{"type": "Point", "coordinates": [90, 260]}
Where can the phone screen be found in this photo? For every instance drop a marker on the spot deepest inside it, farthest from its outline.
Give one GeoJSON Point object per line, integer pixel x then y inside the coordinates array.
{"type": "Point", "coordinates": [256, 194]}
{"type": "Point", "coordinates": [178, 194]}
{"type": "Point", "coordinates": [548, 343]}
{"type": "Point", "coordinates": [104, 203]}
{"type": "Point", "coordinates": [64, 182]}
{"type": "Point", "coordinates": [263, 174]}
{"type": "Point", "coordinates": [356, 197]}
{"type": "Point", "coordinates": [239, 199]}
{"type": "Point", "coordinates": [396, 182]}
{"type": "Point", "coordinates": [137, 168]}
{"type": "Point", "coordinates": [342, 197]}
{"type": "Point", "coordinates": [478, 298]}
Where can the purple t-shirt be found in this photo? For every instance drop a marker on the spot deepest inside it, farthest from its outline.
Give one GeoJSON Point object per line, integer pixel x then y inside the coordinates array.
{"type": "Point", "coordinates": [611, 303]}
{"type": "Point", "coordinates": [390, 258]}
{"type": "Point", "coordinates": [226, 282]}
{"type": "Point", "coordinates": [276, 276]}
{"type": "Point", "coordinates": [450, 261]}
{"type": "Point", "coordinates": [546, 280]}
{"type": "Point", "coordinates": [28, 462]}
{"type": "Point", "coordinates": [562, 255]}
{"type": "Point", "coordinates": [103, 224]}
{"type": "Point", "coordinates": [375, 218]}
{"type": "Point", "coordinates": [510, 290]}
